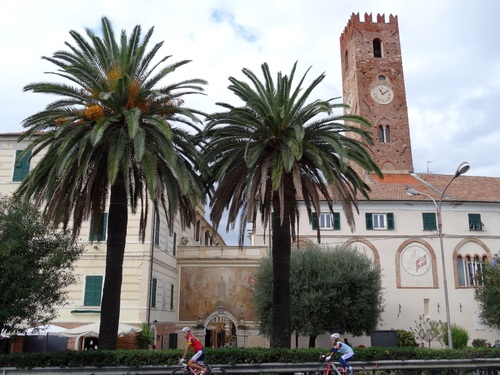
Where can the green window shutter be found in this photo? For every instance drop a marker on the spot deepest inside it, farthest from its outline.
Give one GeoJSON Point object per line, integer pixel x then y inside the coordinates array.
{"type": "Point", "coordinates": [21, 166]}
{"type": "Point", "coordinates": [104, 228]}
{"type": "Point", "coordinates": [174, 244]}
{"type": "Point", "coordinates": [171, 296]}
{"type": "Point", "coordinates": [157, 230]}
{"type": "Point", "coordinates": [390, 220]}
{"type": "Point", "coordinates": [314, 220]}
{"type": "Point", "coordinates": [153, 292]}
{"type": "Point", "coordinates": [369, 221]}
{"type": "Point", "coordinates": [475, 222]}
{"type": "Point", "coordinates": [93, 290]}
{"type": "Point", "coordinates": [429, 220]}
{"type": "Point", "coordinates": [336, 220]}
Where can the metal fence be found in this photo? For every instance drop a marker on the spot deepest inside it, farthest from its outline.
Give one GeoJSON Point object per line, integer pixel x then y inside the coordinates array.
{"type": "Point", "coordinates": [425, 367]}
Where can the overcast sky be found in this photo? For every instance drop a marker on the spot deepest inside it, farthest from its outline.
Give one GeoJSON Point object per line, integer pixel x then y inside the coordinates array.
{"type": "Point", "coordinates": [451, 58]}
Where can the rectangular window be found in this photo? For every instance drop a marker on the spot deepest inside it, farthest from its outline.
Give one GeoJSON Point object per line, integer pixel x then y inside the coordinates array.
{"type": "Point", "coordinates": [326, 221]}
{"type": "Point", "coordinates": [93, 291]}
{"type": "Point", "coordinates": [475, 222]}
{"type": "Point", "coordinates": [157, 229]}
{"type": "Point", "coordinates": [171, 296]}
{"type": "Point", "coordinates": [197, 231]}
{"type": "Point", "coordinates": [21, 166]}
{"type": "Point", "coordinates": [154, 286]}
{"type": "Point", "coordinates": [99, 233]}
{"type": "Point", "coordinates": [429, 221]}
{"type": "Point", "coordinates": [379, 221]}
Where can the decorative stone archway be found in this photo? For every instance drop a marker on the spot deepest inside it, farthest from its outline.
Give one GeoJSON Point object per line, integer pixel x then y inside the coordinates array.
{"type": "Point", "coordinates": [223, 319]}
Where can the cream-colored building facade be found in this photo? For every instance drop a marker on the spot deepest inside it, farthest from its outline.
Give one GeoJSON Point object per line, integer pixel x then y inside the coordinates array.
{"type": "Point", "coordinates": [150, 289]}
{"type": "Point", "coordinates": [407, 247]}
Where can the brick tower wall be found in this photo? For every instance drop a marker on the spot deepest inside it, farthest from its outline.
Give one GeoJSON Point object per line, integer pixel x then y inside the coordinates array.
{"type": "Point", "coordinates": [361, 70]}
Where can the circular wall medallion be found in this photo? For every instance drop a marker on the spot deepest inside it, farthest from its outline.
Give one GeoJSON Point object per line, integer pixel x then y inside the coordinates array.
{"type": "Point", "coordinates": [416, 260]}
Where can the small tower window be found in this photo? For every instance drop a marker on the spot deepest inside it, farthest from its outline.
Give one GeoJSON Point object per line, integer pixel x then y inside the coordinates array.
{"type": "Point", "coordinates": [384, 134]}
{"type": "Point", "coordinates": [346, 61]}
{"type": "Point", "coordinates": [377, 48]}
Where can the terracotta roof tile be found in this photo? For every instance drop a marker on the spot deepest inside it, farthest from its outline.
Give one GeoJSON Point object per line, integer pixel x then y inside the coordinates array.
{"type": "Point", "coordinates": [464, 188]}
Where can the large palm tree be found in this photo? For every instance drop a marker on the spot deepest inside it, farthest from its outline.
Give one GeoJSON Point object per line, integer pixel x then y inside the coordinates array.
{"type": "Point", "coordinates": [114, 137]}
{"type": "Point", "coordinates": [275, 151]}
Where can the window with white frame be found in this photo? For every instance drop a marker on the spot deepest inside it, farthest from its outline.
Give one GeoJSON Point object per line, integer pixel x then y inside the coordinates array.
{"type": "Point", "coordinates": [326, 221]}
{"type": "Point", "coordinates": [379, 221]}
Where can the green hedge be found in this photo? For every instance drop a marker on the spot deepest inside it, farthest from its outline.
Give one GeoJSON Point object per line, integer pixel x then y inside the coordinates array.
{"type": "Point", "coordinates": [137, 358]}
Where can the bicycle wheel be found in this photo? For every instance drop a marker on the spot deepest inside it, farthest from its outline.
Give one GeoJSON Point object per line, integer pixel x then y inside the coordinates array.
{"type": "Point", "coordinates": [321, 370]}
{"type": "Point", "coordinates": [180, 371]}
{"type": "Point", "coordinates": [216, 371]}
{"type": "Point", "coordinates": [359, 370]}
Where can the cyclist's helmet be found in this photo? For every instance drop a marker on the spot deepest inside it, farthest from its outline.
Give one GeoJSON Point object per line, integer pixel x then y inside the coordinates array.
{"type": "Point", "coordinates": [334, 336]}
{"type": "Point", "coordinates": [186, 330]}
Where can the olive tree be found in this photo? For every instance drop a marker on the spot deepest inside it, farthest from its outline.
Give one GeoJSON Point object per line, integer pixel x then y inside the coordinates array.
{"type": "Point", "coordinates": [325, 279]}
{"type": "Point", "coordinates": [487, 294]}
{"type": "Point", "coordinates": [36, 263]}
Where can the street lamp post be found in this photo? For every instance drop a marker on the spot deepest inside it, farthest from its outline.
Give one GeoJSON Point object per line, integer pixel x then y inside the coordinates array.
{"type": "Point", "coordinates": [462, 168]}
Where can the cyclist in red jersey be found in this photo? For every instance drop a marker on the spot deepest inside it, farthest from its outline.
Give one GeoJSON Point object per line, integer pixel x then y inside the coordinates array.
{"type": "Point", "coordinates": [197, 360]}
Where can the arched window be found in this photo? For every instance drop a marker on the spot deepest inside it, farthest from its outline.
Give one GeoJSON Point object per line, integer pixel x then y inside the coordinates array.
{"type": "Point", "coordinates": [470, 270]}
{"type": "Point", "coordinates": [377, 47]}
{"type": "Point", "coordinates": [346, 60]}
{"type": "Point", "coordinates": [380, 134]}
{"type": "Point", "coordinates": [384, 134]}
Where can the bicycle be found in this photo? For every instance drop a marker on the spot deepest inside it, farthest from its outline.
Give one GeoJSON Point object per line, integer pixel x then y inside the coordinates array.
{"type": "Point", "coordinates": [186, 370]}
{"type": "Point", "coordinates": [332, 369]}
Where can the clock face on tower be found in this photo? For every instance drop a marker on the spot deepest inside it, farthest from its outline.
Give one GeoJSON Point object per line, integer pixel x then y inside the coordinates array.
{"type": "Point", "coordinates": [382, 93]}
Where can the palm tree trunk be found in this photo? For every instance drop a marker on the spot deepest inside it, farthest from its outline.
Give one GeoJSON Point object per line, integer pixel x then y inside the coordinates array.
{"type": "Point", "coordinates": [117, 232]}
{"type": "Point", "coordinates": [281, 249]}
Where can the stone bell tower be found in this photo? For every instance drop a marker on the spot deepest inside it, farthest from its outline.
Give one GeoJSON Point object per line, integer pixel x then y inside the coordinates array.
{"type": "Point", "coordinates": [373, 86]}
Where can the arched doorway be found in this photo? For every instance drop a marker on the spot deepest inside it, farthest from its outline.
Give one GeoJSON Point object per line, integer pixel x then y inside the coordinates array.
{"type": "Point", "coordinates": [220, 329]}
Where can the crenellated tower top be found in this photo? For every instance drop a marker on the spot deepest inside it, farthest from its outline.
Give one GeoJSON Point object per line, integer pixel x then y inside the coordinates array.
{"type": "Point", "coordinates": [355, 21]}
